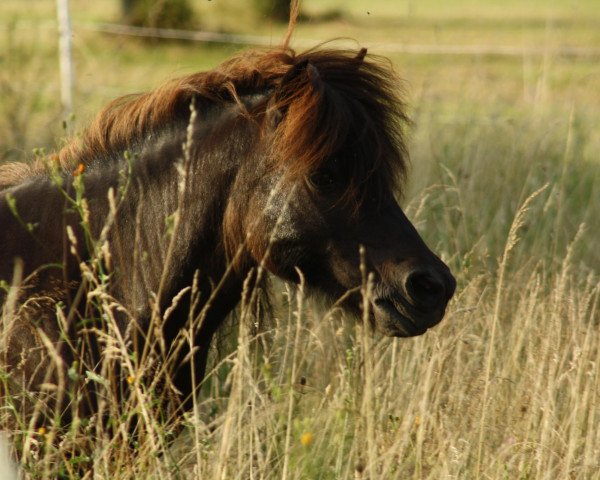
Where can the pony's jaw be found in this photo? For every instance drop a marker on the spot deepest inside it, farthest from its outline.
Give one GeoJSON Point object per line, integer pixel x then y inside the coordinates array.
{"type": "Point", "coordinates": [393, 321]}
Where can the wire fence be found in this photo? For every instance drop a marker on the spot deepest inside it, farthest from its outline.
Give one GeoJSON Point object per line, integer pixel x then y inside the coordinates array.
{"type": "Point", "coordinates": [392, 47]}
{"type": "Point", "coordinates": [300, 42]}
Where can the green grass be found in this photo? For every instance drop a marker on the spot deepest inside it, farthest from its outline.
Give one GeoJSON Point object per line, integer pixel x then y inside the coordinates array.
{"type": "Point", "coordinates": [508, 385]}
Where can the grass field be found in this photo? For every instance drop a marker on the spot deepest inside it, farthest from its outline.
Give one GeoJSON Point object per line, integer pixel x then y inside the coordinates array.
{"type": "Point", "coordinates": [505, 186]}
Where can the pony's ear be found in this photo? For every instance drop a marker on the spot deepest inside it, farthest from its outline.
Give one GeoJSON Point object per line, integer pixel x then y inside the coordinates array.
{"type": "Point", "coordinates": [295, 80]}
{"type": "Point", "coordinates": [360, 56]}
{"type": "Point", "coordinates": [299, 72]}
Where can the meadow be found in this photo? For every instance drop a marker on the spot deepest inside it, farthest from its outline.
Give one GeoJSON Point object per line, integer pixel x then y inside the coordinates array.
{"type": "Point", "coordinates": [504, 186]}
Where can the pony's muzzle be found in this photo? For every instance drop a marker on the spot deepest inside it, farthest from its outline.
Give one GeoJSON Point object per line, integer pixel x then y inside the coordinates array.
{"type": "Point", "coordinates": [414, 301]}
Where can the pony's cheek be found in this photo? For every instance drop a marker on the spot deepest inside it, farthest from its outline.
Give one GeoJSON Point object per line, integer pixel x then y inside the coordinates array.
{"type": "Point", "coordinates": [290, 248]}
{"type": "Point", "coordinates": [344, 262]}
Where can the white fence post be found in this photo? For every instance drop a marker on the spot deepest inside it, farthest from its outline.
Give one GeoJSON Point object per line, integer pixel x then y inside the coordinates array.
{"type": "Point", "coordinates": [66, 62]}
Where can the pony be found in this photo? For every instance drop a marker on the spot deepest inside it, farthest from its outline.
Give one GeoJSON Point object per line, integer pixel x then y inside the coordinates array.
{"type": "Point", "coordinates": [152, 224]}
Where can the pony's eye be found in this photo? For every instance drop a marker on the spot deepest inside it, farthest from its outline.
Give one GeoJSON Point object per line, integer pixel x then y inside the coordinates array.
{"type": "Point", "coordinates": [323, 180]}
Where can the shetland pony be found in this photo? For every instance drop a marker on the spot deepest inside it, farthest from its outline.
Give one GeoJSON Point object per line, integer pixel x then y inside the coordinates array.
{"type": "Point", "coordinates": [150, 226]}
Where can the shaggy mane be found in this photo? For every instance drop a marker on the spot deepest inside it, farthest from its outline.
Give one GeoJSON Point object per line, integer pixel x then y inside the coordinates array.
{"type": "Point", "coordinates": [339, 99]}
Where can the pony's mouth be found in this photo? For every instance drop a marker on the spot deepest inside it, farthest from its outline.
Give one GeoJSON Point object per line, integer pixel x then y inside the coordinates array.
{"type": "Point", "coordinates": [395, 319]}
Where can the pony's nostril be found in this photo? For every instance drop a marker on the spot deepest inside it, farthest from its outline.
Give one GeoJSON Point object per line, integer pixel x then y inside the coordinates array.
{"type": "Point", "coordinates": [425, 289]}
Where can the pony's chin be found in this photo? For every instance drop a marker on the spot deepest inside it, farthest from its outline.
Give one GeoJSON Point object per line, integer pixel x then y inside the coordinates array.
{"type": "Point", "coordinates": [393, 323]}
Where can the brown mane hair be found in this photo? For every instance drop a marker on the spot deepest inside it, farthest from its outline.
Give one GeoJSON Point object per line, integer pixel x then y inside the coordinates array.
{"type": "Point", "coordinates": [325, 98]}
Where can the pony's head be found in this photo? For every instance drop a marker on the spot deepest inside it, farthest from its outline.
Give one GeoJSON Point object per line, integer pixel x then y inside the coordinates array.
{"type": "Point", "coordinates": [322, 205]}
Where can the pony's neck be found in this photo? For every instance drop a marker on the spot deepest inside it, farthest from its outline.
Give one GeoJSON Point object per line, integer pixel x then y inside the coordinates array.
{"type": "Point", "coordinates": [170, 223]}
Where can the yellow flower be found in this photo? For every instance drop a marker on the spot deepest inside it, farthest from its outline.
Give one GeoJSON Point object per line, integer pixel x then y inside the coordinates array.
{"type": "Point", "coordinates": [306, 439]}
{"type": "Point", "coordinates": [130, 379]}
{"type": "Point", "coordinates": [41, 431]}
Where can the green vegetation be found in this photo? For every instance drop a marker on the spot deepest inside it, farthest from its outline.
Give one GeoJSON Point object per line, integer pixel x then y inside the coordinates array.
{"type": "Point", "coordinates": [274, 9]}
{"type": "Point", "coordinates": [505, 185]}
{"type": "Point", "coordinates": [162, 14]}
